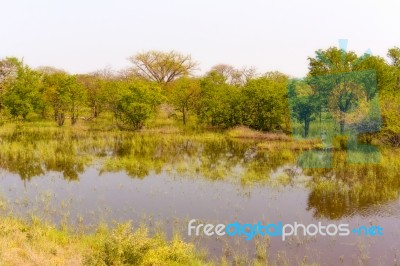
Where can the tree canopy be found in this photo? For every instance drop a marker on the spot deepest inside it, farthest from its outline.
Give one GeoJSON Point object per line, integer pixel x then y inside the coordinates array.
{"type": "Point", "coordinates": [162, 67]}
{"type": "Point", "coordinates": [338, 83]}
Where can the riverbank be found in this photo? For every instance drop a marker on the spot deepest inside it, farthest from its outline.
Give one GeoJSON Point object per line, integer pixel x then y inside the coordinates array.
{"type": "Point", "coordinates": [39, 243]}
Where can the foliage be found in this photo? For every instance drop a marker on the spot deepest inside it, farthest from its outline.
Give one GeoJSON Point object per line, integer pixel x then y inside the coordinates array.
{"type": "Point", "coordinates": [184, 95]}
{"type": "Point", "coordinates": [138, 104]}
{"type": "Point", "coordinates": [96, 90]}
{"type": "Point", "coordinates": [21, 89]}
{"type": "Point", "coordinates": [264, 104]}
{"type": "Point", "coordinates": [303, 102]}
{"type": "Point", "coordinates": [219, 102]}
{"type": "Point", "coordinates": [35, 242]}
{"type": "Point", "coordinates": [65, 95]}
{"type": "Point", "coordinates": [224, 97]}
{"type": "Point", "coordinates": [233, 76]}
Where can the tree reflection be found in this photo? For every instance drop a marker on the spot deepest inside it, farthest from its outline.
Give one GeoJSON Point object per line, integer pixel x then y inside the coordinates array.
{"type": "Point", "coordinates": [350, 189]}
{"type": "Point", "coordinates": [343, 190]}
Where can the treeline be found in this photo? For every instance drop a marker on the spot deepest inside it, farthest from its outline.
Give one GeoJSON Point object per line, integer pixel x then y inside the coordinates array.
{"type": "Point", "coordinates": [223, 97]}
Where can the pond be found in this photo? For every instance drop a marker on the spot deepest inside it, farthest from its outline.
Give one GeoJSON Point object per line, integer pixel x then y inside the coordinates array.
{"type": "Point", "coordinates": [166, 180]}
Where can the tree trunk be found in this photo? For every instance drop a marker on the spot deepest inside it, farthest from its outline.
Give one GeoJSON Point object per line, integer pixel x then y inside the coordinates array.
{"type": "Point", "coordinates": [342, 123]}
{"type": "Point", "coordinates": [74, 119]}
{"type": "Point", "coordinates": [95, 111]}
{"type": "Point", "coordinates": [184, 115]}
{"type": "Point", "coordinates": [43, 113]}
{"type": "Point", "coordinates": [306, 127]}
{"type": "Point", "coordinates": [60, 119]}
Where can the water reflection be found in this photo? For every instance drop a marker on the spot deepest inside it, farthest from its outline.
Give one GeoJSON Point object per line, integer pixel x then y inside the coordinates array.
{"type": "Point", "coordinates": [35, 159]}
{"type": "Point", "coordinates": [342, 191]}
{"type": "Point", "coordinates": [347, 190]}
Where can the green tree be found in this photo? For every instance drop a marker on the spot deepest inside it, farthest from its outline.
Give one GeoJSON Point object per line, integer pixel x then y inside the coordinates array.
{"type": "Point", "coordinates": [332, 61]}
{"type": "Point", "coordinates": [95, 86]}
{"type": "Point", "coordinates": [219, 103]}
{"type": "Point", "coordinates": [65, 95]}
{"type": "Point", "coordinates": [184, 95]}
{"type": "Point", "coordinates": [339, 88]}
{"type": "Point", "coordinates": [21, 94]}
{"type": "Point", "coordinates": [390, 100]}
{"type": "Point", "coordinates": [264, 104]}
{"type": "Point", "coordinates": [138, 103]}
{"type": "Point", "coordinates": [233, 76]}
{"type": "Point", "coordinates": [77, 99]}
{"type": "Point", "coordinates": [303, 103]}
{"type": "Point", "coordinates": [394, 55]}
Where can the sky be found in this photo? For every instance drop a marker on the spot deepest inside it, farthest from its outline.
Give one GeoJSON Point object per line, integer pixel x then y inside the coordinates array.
{"type": "Point", "coordinates": [82, 36]}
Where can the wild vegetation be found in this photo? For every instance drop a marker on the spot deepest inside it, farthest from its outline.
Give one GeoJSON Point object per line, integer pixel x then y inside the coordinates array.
{"type": "Point", "coordinates": [31, 149]}
{"type": "Point", "coordinates": [224, 97]}
{"type": "Point", "coordinates": [228, 124]}
{"type": "Point", "coordinates": [38, 243]}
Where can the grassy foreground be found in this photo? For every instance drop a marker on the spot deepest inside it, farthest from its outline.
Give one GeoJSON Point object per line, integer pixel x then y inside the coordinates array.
{"type": "Point", "coordinates": [37, 243]}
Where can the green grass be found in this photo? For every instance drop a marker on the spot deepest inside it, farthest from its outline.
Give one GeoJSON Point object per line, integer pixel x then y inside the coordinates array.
{"type": "Point", "coordinates": [33, 148]}
{"type": "Point", "coordinates": [38, 243]}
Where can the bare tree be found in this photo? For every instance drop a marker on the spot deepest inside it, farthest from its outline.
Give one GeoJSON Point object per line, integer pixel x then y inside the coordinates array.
{"type": "Point", "coordinates": [106, 73]}
{"type": "Point", "coordinates": [8, 73]}
{"type": "Point", "coordinates": [234, 76]}
{"type": "Point", "coordinates": [162, 67]}
{"type": "Point", "coordinates": [49, 70]}
{"type": "Point", "coordinates": [276, 76]}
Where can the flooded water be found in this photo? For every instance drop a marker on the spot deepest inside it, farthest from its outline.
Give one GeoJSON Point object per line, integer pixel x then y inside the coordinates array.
{"type": "Point", "coordinates": [166, 183]}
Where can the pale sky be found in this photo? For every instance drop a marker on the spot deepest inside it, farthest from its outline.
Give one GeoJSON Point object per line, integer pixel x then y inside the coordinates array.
{"type": "Point", "coordinates": [86, 35]}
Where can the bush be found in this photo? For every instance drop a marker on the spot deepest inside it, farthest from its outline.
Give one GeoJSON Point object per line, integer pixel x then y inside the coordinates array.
{"type": "Point", "coordinates": [125, 247]}
{"type": "Point", "coordinates": [134, 113]}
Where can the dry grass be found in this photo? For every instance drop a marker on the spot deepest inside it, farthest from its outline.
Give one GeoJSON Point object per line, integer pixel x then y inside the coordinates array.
{"type": "Point", "coordinates": [293, 145]}
{"type": "Point", "coordinates": [162, 130]}
{"type": "Point", "coordinates": [37, 243]}
{"type": "Point", "coordinates": [248, 133]}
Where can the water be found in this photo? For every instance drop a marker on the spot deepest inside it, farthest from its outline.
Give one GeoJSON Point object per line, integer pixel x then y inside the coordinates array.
{"type": "Point", "coordinates": [168, 183]}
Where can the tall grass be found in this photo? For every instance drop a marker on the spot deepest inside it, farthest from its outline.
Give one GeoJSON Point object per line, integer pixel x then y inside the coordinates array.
{"type": "Point", "coordinates": [38, 243]}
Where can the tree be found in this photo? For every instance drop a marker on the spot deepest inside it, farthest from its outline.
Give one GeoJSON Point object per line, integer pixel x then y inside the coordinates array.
{"type": "Point", "coordinates": [331, 61]}
{"type": "Point", "coordinates": [184, 95]}
{"type": "Point", "coordinates": [114, 91]}
{"type": "Point", "coordinates": [340, 87]}
{"type": "Point", "coordinates": [138, 103]}
{"type": "Point", "coordinates": [390, 100]}
{"type": "Point", "coordinates": [162, 67]}
{"type": "Point", "coordinates": [8, 73]}
{"type": "Point", "coordinates": [49, 70]}
{"type": "Point", "coordinates": [394, 55]}
{"type": "Point", "coordinates": [264, 104]}
{"type": "Point", "coordinates": [276, 76]}
{"type": "Point", "coordinates": [77, 99]}
{"type": "Point", "coordinates": [133, 113]}
{"type": "Point", "coordinates": [95, 86]}
{"type": "Point", "coordinates": [65, 95]}
{"type": "Point", "coordinates": [21, 94]}
{"type": "Point", "coordinates": [233, 76]}
{"type": "Point", "coordinates": [303, 103]}
{"type": "Point", "coordinates": [219, 103]}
